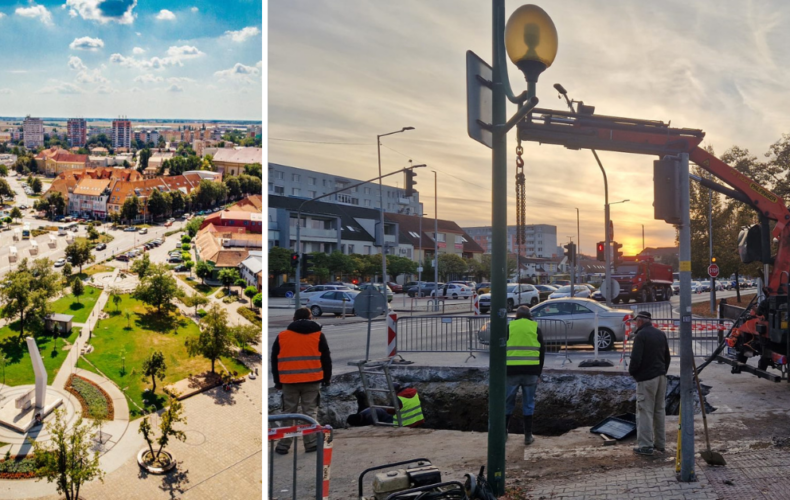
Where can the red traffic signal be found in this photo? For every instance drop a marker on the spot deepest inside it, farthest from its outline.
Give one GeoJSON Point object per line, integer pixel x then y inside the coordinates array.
{"type": "Point", "coordinates": [600, 252]}
{"type": "Point", "coordinates": [294, 260]}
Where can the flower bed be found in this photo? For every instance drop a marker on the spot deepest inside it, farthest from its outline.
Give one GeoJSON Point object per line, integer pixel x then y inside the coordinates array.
{"type": "Point", "coordinates": [95, 403]}
{"type": "Point", "coordinates": [17, 467]}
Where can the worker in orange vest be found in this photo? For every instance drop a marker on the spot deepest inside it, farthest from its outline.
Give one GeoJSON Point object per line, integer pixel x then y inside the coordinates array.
{"type": "Point", "coordinates": [301, 364]}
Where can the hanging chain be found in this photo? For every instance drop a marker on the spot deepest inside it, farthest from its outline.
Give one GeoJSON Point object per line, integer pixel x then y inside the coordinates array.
{"type": "Point", "coordinates": [521, 207]}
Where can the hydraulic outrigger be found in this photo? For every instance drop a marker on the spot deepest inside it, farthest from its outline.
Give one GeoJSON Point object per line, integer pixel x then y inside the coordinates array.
{"type": "Point", "coordinates": [761, 331]}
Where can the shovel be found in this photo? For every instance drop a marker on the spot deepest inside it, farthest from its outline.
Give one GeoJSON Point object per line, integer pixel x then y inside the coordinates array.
{"type": "Point", "coordinates": [711, 457]}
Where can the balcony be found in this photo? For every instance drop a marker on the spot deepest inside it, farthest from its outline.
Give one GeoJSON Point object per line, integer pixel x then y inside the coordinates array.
{"type": "Point", "coordinates": [307, 232]}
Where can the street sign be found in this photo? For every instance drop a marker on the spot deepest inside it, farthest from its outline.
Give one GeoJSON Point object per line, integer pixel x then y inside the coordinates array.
{"type": "Point", "coordinates": [370, 303]}
{"type": "Point", "coordinates": [615, 288]}
{"type": "Point", "coordinates": [713, 270]}
{"type": "Point", "coordinates": [289, 295]}
{"type": "Point", "coordinates": [479, 99]}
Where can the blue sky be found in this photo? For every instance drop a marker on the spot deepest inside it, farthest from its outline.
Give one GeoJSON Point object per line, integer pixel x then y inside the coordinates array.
{"type": "Point", "coordinates": [345, 71]}
{"type": "Point", "coordinates": [139, 58]}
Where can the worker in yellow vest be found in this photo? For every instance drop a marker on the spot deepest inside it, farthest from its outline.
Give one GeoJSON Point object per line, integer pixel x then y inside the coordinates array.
{"type": "Point", "coordinates": [300, 364]}
{"type": "Point", "coordinates": [410, 407]}
{"type": "Point", "coordinates": [525, 353]}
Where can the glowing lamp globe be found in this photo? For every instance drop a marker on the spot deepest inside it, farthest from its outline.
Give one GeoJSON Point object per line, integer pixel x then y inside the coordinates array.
{"type": "Point", "coordinates": [531, 40]}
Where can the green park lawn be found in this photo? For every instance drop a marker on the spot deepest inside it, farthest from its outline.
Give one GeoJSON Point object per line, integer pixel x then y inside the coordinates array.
{"type": "Point", "coordinates": [79, 309]}
{"type": "Point", "coordinates": [18, 369]}
{"type": "Point", "coordinates": [196, 285]}
{"type": "Point", "coordinates": [112, 339]}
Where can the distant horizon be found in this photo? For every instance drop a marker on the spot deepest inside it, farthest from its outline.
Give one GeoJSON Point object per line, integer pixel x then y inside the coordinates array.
{"type": "Point", "coordinates": [174, 120]}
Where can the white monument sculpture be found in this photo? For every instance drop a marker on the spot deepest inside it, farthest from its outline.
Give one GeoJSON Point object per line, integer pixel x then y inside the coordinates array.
{"type": "Point", "coordinates": [30, 414]}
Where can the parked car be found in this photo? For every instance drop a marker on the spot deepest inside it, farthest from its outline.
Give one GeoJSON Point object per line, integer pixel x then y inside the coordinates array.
{"type": "Point", "coordinates": [676, 287]}
{"type": "Point", "coordinates": [168, 224]}
{"type": "Point", "coordinates": [517, 295]}
{"type": "Point", "coordinates": [544, 291]}
{"type": "Point", "coordinates": [333, 302]}
{"type": "Point", "coordinates": [130, 229]}
{"type": "Point", "coordinates": [470, 284]}
{"type": "Point", "coordinates": [454, 291]}
{"type": "Point", "coordinates": [378, 287]}
{"type": "Point", "coordinates": [351, 286]}
{"type": "Point", "coordinates": [396, 288]}
{"type": "Point", "coordinates": [410, 284]}
{"type": "Point", "coordinates": [484, 287]}
{"type": "Point", "coordinates": [181, 268]}
{"type": "Point", "coordinates": [178, 260]}
{"type": "Point", "coordinates": [280, 291]}
{"type": "Point", "coordinates": [60, 262]}
{"type": "Point", "coordinates": [422, 290]}
{"type": "Point", "coordinates": [580, 291]}
{"type": "Point", "coordinates": [122, 258]}
{"type": "Point", "coordinates": [101, 246]}
{"type": "Point", "coordinates": [579, 316]}
{"type": "Point", "coordinates": [143, 230]}
{"type": "Point", "coordinates": [317, 290]}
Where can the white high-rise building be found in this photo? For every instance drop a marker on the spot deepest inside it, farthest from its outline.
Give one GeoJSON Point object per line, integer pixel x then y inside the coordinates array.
{"type": "Point", "coordinates": [121, 133]}
{"type": "Point", "coordinates": [33, 128]}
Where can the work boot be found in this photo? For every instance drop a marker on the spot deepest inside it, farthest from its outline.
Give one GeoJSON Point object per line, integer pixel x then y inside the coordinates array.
{"type": "Point", "coordinates": [362, 399]}
{"type": "Point", "coordinates": [507, 424]}
{"type": "Point", "coordinates": [528, 439]}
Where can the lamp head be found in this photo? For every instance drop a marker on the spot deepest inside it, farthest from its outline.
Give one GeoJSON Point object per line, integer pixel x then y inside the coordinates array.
{"type": "Point", "coordinates": [404, 129]}
{"type": "Point", "coordinates": [560, 89]}
{"type": "Point", "coordinates": [531, 40]}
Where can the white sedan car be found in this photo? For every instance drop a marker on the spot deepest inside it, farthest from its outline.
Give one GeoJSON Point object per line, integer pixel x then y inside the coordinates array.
{"type": "Point", "coordinates": [455, 291]}
{"type": "Point", "coordinates": [60, 262]}
{"type": "Point", "coordinates": [579, 291]}
{"type": "Point", "coordinates": [318, 290]}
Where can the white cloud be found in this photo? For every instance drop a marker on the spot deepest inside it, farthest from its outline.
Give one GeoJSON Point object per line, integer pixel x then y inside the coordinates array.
{"type": "Point", "coordinates": [76, 63]}
{"type": "Point", "coordinates": [104, 89]}
{"type": "Point", "coordinates": [36, 12]}
{"type": "Point", "coordinates": [180, 79]}
{"type": "Point", "coordinates": [174, 57]}
{"type": "Point", "coordinates": [194, 9]}
{"type": "Point", "coordinates": [166, 15]}
{"type": "Point", "coordinates": [135, 90]}
{"type": "Point", "coordinates": [17, 71]}
{"type": "Point", "coordinates": [87, 43]}
{"type": "Point", "coordinates": [239, 72]}
{"type": "Point", "coordinates": [63, 88]}
{"type": "Point", "coordinates": [138, 50]}
{"type": "Point", "coordinates": [3, 15]}
{"type": "Point", "coordinates": [243, 34]}
{"type": "Point", "coordinates": [91, 76]}
{"type": "Point", "coordinates": [5, 91]}
{"type": "Point", "coordinates": [148, 78]}
{"type": "Point", "coordinates": [184, 52]}
{"type": "Point", "coordinates": [73, 13]}
{"type": "Point", "coordinates": [175, 88]}
{"type": "Point", "coordinates": [104, 11]}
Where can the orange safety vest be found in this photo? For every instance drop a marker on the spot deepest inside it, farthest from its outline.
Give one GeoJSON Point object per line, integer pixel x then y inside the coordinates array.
{"type": "Point", "coordinates": [299, 360]}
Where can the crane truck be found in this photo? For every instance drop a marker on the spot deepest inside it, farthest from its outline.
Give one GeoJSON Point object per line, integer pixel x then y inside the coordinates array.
{"type": "Point", "coordinates": [643, 280]}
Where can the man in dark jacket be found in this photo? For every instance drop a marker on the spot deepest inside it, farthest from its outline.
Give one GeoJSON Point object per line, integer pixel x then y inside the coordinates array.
{"type": "Point", "coordinates": [301, 363]}
{"type": "Point", "coordinates": [525, 354]}
{"type": "Point", "coordinates": [649, 365]}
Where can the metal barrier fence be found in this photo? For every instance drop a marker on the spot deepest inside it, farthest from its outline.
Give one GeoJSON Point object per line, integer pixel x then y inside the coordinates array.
{"type": "Point", "coordinates": [706, 335]}
{"type": "Point", "coordinates": [656, 309]}
{"type": "Point", "coordinates": [465, 334]}
{"type": "Point", "coordinates": [323, 452]}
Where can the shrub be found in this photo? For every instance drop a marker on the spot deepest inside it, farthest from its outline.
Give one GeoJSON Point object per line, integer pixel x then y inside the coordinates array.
{"type": "Point", "coordinates": [15, 467]}
{"type": "Point", "coordinates": [201, 312]}
{"type": "Point", "coordinates": [96, 403]}
{"type": "Point", "coordinates": [185, 238]}
{"type": "Point", "coordinates": [186, 256]}
{"type": "Point", "coordinates": [185, 247]}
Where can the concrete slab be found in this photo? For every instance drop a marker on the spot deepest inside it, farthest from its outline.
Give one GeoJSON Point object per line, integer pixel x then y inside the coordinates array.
{"type": "Point", "coordinates": [21, 421]}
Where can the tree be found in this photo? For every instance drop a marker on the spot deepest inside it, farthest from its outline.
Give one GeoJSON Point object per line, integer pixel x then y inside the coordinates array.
{"type": "Point", "coordinates": [36, 185]}
{"type": "Point", "coordinates": [15, 213]}
{"type": "Point", "coordinates": [177, 201]}
{"type": "Point", "coordinates": [195, 300]}
{"type": "Point", "coordinates": [158, 288]}
{"type": "Point", "coordinates": [246, 335]}
{"type": "Point", "coordinates": [27, 291]}
{"type": "Point", "coordinates": [143, 157]}
{"type": "Point", "coordinates": [257, 301]}
{"type": "Point", "coordinates": [397, 265]}
{"type": "Point", "coordinates": [53, 203]}
{"type": "Point", "coordinates": [193, 226]}
{"type": "Point", "coordinates": [280, 261]}
{"type": "Point", "coordinates": [451, 265]}
{"type": "Point", "coordinates": [250, 292]}
{"type": "Point", "coordinates": [5, 190]}
{"type": "Point", "coordinates": [203, 270]}
{"type": "Point", "coordinates": [234, 187]}
{"type": "Point", "coordinates": [249, 184]}
{"type": "Point", "coordinates": [173, 414]}
{"type": "Point", "coordinates": [254, 170]}
{"type": "Point", "coordinates": [128, 316]}
{"type": "Point", "coordinates": [3, 171]}
{"type": "Point", "coordinates": [154, 366]}
{"type": "Point", "coordinates": [67, 270]}
{"type": "Point", "coordinates": [141, 266]}
{"type": "Point", "coordinates": [80, 253]}
{"type": "Point", "coordinates": [77, 288]}
{"type": "Point", "coordinates": [66, 457]}
{"type": "Point", "coordinates": [93, 233]}
{"type": "Point", "coordinates": [115, 217]}
{"type": "Point", "coordinates": [130, 209]}
{"type": "Point", "coordinates": [215, 337]}
{"type": "Point", "coordinates": [228, 277]}
{"type": "Point", "coordinates": [189, 265]}
{"type": "Point", "coordinates": [115, 297]}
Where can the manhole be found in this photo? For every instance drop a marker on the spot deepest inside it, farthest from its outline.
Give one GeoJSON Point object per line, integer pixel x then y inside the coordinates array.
{"type": "Point", "coordinates": [457, 399]}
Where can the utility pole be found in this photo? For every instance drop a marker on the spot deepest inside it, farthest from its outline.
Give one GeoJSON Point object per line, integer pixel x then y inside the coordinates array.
{"type": "Point", "coordinates": [578, 246]}
{"type": "Point", "coordinates": [710, 249]}
{"type": "Point", "coordinates": [435, 242]}
{"type": "Point", "coordinates": [572, 264]}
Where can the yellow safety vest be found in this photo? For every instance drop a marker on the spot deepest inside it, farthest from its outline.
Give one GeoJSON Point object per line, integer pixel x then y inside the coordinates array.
{"type": "Point", "coordinates": [523, 347]}
{"type": "Point", "coordinates": [411, 413]}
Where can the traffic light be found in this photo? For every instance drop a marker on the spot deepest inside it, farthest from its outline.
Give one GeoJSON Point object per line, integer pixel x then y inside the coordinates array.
{"type": "Point", "coordinates": [713, 260]}
{"type": "Point", "coordinates": [666, 186]}
{"type": "Point", "coordinates": [570, 252]}
{"type": "Point", "coordinates": [307, 264]}
{"type": "Point", "coordinates": [600, 251]}
{"type": "Point", "coordinates": [618, 255]}
{"type": "Point", "coordinates": [410, 182]}
{"type": "Point", "coordinates": [294, 260]}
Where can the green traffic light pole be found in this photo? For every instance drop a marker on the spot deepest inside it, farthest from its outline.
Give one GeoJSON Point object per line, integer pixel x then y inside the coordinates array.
{"type": "Point", "coordinates": [529, 26]}
{"type": "Point", "coordinates": [297, 275]}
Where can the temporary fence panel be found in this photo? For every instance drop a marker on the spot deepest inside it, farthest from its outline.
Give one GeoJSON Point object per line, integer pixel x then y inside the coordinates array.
{"type": "Point", "coordinates": [323, 452]}
{"type": "Point", "coordinates": [706, 335]}
{"type": "Point", "coordinates": [656, 309]}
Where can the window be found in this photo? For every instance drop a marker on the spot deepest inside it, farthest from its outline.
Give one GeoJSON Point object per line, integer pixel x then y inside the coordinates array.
{"type": "Point", "coordinates": [367, 203]}
{"type": "Point", "coordinates": [278, 175]}
{"type": "Point", "coordinates": [279, 190]}
{"type": "Point", "coordinates": [295, 191]}
{"type": "Point", "coordinates": [311, 181]}
{"type": "Point", "coordinates": [580, 309]}
{"type": "Point", "coordinates": [367, 249]}
{"type": "Point", "coordinates": [413, 234]}
{"type": "Point", "coordinates": [367, 191]}
{"type": "Point", "coordinates": [311, 194]}
{"type": "Point", "coordinates": [343, 198]}
{"type": "Point", "coordinates": [295, 177]}
{"type": "Point", "coordinates": [350, 248]}
{"type": "Point", "coordinates": [352, 229]}
{"type": "Point", "coordinates": [463, 240]}
{"type": "Point", "coordinates": [441, 238]}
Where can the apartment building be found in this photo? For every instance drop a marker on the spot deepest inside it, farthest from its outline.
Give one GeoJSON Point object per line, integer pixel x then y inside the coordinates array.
{"type": "Point", "coordinates": [302, 183]}
{"type": "Point", "coordinates": [121, 133]}
{"type": "Point", "coordinates": [541, 240]}
{"type": "Point", "coordinates": [77, 132]}
{"type": "Point", "coordinates": [231, 161]}
{"type": "Point", "coordinates": [33, 129]}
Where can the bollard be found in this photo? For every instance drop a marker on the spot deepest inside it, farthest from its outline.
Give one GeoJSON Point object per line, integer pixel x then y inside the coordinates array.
{"type": "Point", "coordinates": [476, 304]}
{"type": "Point", "coordinates": [392, 334]}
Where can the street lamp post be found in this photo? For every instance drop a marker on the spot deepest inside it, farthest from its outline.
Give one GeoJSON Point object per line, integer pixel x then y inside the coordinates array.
{"type": "Point", "coordinates": [435, 242]}
{"type": "Point", "coordinates": [578, 266]}
{"type": "Point", "coordinates": [381, 203]}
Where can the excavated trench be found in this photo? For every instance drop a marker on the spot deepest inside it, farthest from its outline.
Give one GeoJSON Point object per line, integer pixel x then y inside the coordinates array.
{"type": "Point", "coordinates": [457, 398]}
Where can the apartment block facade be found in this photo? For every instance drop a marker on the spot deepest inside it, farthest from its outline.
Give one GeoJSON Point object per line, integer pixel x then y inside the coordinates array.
{"type": "Point", "coordinates": [121, 133]}
{"type": "Point", "coordinates": [77, 132]}
{"type": "Point", "coordinates": [541, 240]}
{"type": "Point", "coordinates": [33, 129]}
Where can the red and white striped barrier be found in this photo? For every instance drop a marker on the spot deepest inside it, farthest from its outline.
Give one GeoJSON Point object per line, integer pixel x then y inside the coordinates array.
{"type": "Point", "coordinates": [674, 326]}
{"type": "Point", "coordinates": [392, 334]}
{"type": "Point", "coordinates": [327, 461]}
{"type": "Point", "coordinates": [476, 304]}
{"type": "Point", "coordinates": [277, 433]}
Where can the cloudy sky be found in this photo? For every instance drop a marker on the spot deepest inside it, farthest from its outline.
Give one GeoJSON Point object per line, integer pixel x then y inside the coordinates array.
{"type": "Point", "coordinates": [140, 58]}
{"type": "Point", "coordinates": [345, 71]}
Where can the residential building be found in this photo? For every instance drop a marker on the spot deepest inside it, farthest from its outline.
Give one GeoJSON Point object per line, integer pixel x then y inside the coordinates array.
{"type": "Point", "coordinates": [89, 197]}
{"type": "Point", "coordinates": [539, 270]}
{"type": "Point", "coordinates": [155, 163]}
{"type": "Point", "coordinates": [420, 234]}
{"type": "Point", "coordinates": [77, 130]}
{"type": "Point", "coordinates": [6, 137]}
{"type": "Point", "coordinates": [99, 151]}
{"type": "Point", "coordinates": [231, 161]}
{"type": "Point", "coordinates": [7, 159]}
{"type": "Point", "coordinates": [251, 269]}
{"type": "Point", "coordinates": [121, 133]}
{"type": "Point", "coordinates": [305, 184]}
{"type": "Point", "coordinates": [33, 129]}
{"type": "Point", "coordinates": [227, 244]}
{"type": "Point", "coordinates": [55, 160]}
{"type": "Point", "coordinates": [541, 240]}
{"type": "Point", "coordinates": [251, 221]}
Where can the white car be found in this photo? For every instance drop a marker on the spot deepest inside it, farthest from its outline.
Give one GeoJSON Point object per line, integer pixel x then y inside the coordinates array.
{"type": "Point", "coordinates": [517, 295]}
{"type": "Point", "coordinates": [454, 291]}
{"type": "Point", "coordinates": [60, 262]}
{"type": "Point", "coordinates": [579, 291]}
{"type": "Point", "coordinates": [318, 290]}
